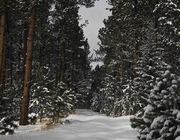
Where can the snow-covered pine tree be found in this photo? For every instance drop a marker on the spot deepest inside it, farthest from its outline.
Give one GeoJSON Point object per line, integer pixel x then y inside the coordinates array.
{"type": "Point", "coordinates": [8, 90]}
{"type": "Point", "coordinates": [62, 102]}
{"type": "Point", "coordinates": [135, 84]}
{"type": "Point", "coordinates": [87, 3]}
{"type": "Point", "coordinates": [168, 14]}
{"type": "Point", "coordinates": [65, 65]}
{"type": "Point", "coordinates": [71, 48]}
{"type": "Point", "coordinates": [159, 120]}
{"type": "Point", "coordinates": [48, 99]}
{"type": "Point", "coordinates": [98, 75]}
{"type": "Point", "coordinates": [106, 89]}
{"type": "Point", "coordinates": [45, 55]}
{"type": "Point", "coordinates": [121, 40]}
{"type": "Point", "coordinates": [110, 93]}
{"type": "Point", "coordinates": [7, 116]}
{"type": "Point", "coordinates": [117, 55]}
{"type": "Point", "coordinates": [165, 43]}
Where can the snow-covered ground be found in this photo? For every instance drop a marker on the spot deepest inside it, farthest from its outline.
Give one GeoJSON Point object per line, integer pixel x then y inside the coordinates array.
{"type": "Point", "coordinates": [84, 125]}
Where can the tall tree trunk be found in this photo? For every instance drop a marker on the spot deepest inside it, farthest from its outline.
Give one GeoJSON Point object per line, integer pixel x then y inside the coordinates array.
{"type": "Point", "coordinates": [135, 6]}
{"type": "Point", "coordinates": [156, 16]}
{"type": "Point", "coordinates": [73, 68]}
{"type": "Point", "coordinates": [2, 51]}
{"type": "Point", "coordinates": [62, 63]}
{"type": "Point", "coordinates": [136, 58]}
{"type": "Point", "coordinates": [61, 68]}
{"type": "Point", "coordinates": [28, 68]}
{"type": "Point", "coordinates": [25, 37]}
{"type": "Point", "coordinates": [136, 47]}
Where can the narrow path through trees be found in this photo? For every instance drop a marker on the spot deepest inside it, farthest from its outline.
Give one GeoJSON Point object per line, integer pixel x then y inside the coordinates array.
{"type": "Point", "coordinates": [84, 125]}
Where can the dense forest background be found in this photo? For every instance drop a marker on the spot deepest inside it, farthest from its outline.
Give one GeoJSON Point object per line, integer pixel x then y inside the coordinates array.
{"type": "Point", "coordinates": [45, 66]}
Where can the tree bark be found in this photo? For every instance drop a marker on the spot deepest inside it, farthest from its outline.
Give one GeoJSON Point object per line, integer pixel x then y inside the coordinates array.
{"type": "Point", "coordinates": [136, 47]}
{"type": "Point", "coordinates": [2, 50]}
{"type": "Point", "coordinates": [136, 6]}
{"type": "Point", "coordinates": [62, 61]}
{"type": "Point", "coordinates": [28, 68]}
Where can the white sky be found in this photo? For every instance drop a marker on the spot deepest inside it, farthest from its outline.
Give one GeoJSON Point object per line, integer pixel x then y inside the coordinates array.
{"type": "Point", "coordinates": [95, 17]}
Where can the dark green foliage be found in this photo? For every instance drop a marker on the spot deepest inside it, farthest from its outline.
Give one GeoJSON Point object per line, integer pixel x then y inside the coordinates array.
{"type": "Point", "coordinates": [64, 52]}
{"type": "Point", "coordinates": [7, 116]}
{"type": "Point", "coordinates": [158, 120]}
{"type": "Point", "coordinates": [72, 48]}
{"type": "Point", "coordinates": [83, 93]}
{"type": "Point", "coordinates": [98, 73]}
{"type": "Point", "coordinates": [57, 28]}
{"type": "Point", "coordinates": [166, 49]}
{"type": "Point", "coordinates": [52, 101]}
{"type": "Point", "coordinates": [139, 42]}
{"type": "Point", "coordinates": [121, 39]}
{"type": "Point", "coordinates": [87, 3]}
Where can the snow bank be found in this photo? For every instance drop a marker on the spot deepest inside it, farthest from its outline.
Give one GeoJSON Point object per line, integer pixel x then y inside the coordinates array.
{"type": "Point", "coordinates": [84, 125]}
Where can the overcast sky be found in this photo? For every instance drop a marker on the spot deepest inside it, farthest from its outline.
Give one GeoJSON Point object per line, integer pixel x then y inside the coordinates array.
{"type": "Point", "coordinates": [95, 17]}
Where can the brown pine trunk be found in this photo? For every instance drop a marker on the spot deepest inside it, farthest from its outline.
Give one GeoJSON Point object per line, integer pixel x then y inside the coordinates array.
{"type": "Point", "coordinates": [120, 74]}
{"type": "Point", "coordinates": [61, 69]}
{"type": "Point", "coordinates": [136, 58]}
{"type": "Point", "coordinates": [2, 51]}
{"type": "Point", "coordinates": [28, 68]}
{"type": "Point", "coordinates": [73, 67]}
{"type": "Point", "coordinates": [26, 31]}
{"type": "Point", "coordinates": [136, 48]}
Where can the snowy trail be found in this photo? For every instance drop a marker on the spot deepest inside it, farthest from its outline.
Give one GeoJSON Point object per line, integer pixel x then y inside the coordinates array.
{"type": "Point", "coordinates": [85, 125]}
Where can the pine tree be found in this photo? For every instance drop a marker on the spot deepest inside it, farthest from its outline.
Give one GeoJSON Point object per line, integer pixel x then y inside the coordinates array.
{"type": "Point", "coordinates": [159, 118]}
{"type": "Point", "coordinates": [67, 61]}
{"type": "Point", "coordinates": [3, 35]}
{"type": "Point", "coordinates": [87, 3]}
{"type": "Point", "coordinates": [60, 58]}
{"type": "Point", "coordinates": [168, 18]}
{"type": "Point", "coordinates": [7, 118]}
{"type": "Point", "coordinates": [97, 75]}
{"type": "Point", "coordinates": [120, 42]}
{"type": "Point", "coordinates": [28, 67]}
{"type": "Point", "coordinates": [146, 119]}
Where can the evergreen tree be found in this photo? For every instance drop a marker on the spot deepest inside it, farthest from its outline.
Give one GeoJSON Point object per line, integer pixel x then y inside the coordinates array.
{"type": "Point", "coordinates": [97, 75]}
{"type": "Point", "coordinates": [168, 27]}
{"type": "Point", "coordinates": [147, 118]}
{"type": "Point", "coordinates": [7, 119]}
{"type": "Point", "coordinates": [28, 66]}
{"type": "Point", "coordinates": [135, 42]}
{"type": "Point", "coordinates": [121, 39]}
{"type": "Point", "coordinates": [158, 120]}
{"type": "Point", "coordinates": [60, 55]}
